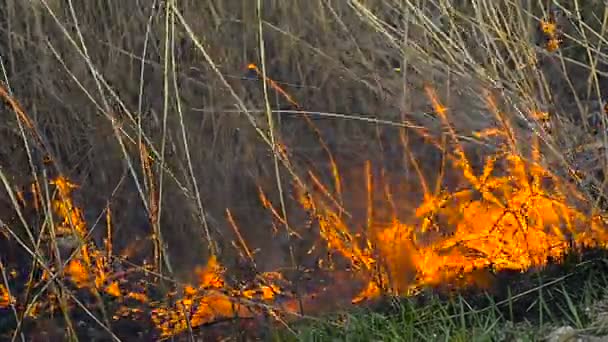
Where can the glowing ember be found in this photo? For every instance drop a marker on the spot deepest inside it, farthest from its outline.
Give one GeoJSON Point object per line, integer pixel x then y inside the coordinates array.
{"type": "Point", "coordinates": [5, 297]}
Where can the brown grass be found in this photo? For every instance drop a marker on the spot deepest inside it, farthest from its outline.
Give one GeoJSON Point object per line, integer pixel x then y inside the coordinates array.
{"type": "Point", "coordinates": [154, 113]}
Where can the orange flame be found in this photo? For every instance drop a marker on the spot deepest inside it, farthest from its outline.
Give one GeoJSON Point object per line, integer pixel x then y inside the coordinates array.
{"type": "Point", "coordinates": [513, 217]}
{"type": "Point", "coordinates": [5, 297]}
{"type": "Point", "coordinates": [505, 221]}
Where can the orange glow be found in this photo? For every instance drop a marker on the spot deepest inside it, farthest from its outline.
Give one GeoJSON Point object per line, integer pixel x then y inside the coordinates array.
{"type": "Point", "coordinates": [208, 308]}
{"type": "Point", "coordinates": [140, 297]}
{"type": "Point", "coordinates": [113, 289]}
{"type": "Point", "coordinates": [212, 275]}
{"type": "Point", "coordinates": [553, 44]}
{"type": "Point", "coordinates": [5, 298]}
{"type": "Point", "coordinates": [72, 217]}
{"type": "Point", "coordinates": [210, 301]}
{"type": "Point", "coordinates": [540, 116]}
{"type": "Point", "coordinates": [548, 27]}
{"type": "Point", "coordinates": [551, 33]}
{"type": "Point", "coordinates": [508, 214]}
{"type": "Point", "coordinates": [505, 220]}
{"type": "Point", "coordinates": [78, 273]}
{"type": "Point", "coordinates": [371, 291]}
{"type": "Point", "coordinates": [513, 225]}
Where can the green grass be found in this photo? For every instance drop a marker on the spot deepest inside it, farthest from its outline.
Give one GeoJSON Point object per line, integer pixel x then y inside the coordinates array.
{"type": "Point", "coordinates": [521, 307]}
{"type": "Point", "coordinates": [405, 327]}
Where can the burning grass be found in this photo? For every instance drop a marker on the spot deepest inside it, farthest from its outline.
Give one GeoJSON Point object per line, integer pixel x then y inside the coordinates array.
{"type": "Point", "coordinates": [511, 215]}
{"type": "Point", "coordinates": [515, 218]}
{"type": "Point", "coordinates": [467, 224]}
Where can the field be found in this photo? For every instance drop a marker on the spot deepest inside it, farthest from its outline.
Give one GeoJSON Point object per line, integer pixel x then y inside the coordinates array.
{"type": "Point", "coordinates": [317, 170]}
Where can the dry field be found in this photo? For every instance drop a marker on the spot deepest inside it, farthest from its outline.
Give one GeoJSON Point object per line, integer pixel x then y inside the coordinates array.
{"type": "Point", "coordinates": [237, 170]}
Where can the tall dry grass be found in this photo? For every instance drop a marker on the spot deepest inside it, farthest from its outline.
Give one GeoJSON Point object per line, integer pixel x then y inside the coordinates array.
{"type": "Point", "coordinates": [110, 85]}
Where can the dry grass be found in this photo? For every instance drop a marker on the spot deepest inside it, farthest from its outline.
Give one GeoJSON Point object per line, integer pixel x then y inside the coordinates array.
{"type": "Point", "coordinates": [167, 113]}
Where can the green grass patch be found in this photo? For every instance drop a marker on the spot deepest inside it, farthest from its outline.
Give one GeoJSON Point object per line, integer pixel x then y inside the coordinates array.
{"type": "Point", "coordinates": [522, 307]}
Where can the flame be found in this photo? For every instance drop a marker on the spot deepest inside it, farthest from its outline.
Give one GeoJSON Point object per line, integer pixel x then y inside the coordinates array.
{"type": "Point", "coordinates": [113, 289]}
{"type": "Point", "coordinates": [506, 222]}
{"type": "Point", "coordinates": [210, 301]}
{"type": "Point", "coordinates": [5, 298]}
{"type": "Point", "coordinates": [212, 275]}
{"type": "Point", "coordinates": [140, 297]}
{"type": "Point", "coordinates": [551, 33]}
{"type": "Point", "coordinates": [548, 27]}
{"type": "Point", "coordinates": [72, 216]}
{"type": "Point", "coordinates": [515, 216]}
{"type": "Point", "coordinates": [200, 304]}
{"type": "Point", "coordinates": [78, 273]}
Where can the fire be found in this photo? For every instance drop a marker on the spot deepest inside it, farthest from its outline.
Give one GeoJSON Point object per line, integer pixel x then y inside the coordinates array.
{"type": "Point", "coordinates": [212, 276]}
{"type": "Point", "coordinates": [92, 269]}
{"type": "Point", "coordinates": [211, 300]}
{"type": "Point", "coordinates": [503, 222]}
{"type": "Point", "coordinates": [5, 297]}
{"type": "Point", "coordinates": [513, 214]}
{"type": "Point", "coordinates": [72, 224]}
{"type": "Point", "coordinates": [513, 217]}
{"type": "Point", "coordinates": [78, 273]}
{"type": "Point", "coordinates": [551, 33]}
